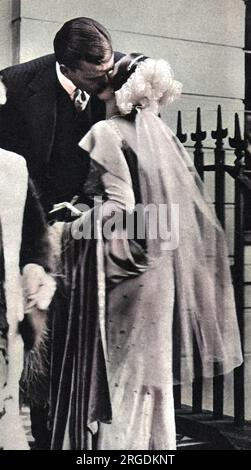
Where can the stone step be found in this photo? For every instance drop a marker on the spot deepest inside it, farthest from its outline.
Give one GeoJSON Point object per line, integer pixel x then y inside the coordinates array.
{"type": "Point", "coordinates": [183, 442]}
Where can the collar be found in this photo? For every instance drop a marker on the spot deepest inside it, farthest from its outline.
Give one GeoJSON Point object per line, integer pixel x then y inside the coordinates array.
{"type": "Point", "coordinates": [67, 84]}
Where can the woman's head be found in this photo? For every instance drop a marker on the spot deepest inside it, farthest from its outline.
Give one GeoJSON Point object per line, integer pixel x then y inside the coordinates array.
{"type": "Point", "coordinates": [124, 68]}
{"type": "Point", "coordinates": [140, 81]}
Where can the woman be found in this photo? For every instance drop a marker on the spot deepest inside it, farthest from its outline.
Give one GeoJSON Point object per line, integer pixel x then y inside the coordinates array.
{"type": "Point", "coordinates": [178, 266]}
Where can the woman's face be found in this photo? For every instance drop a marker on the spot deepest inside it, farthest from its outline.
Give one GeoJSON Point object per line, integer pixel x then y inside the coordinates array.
{"type": "Point", "coordinates": [108, 93]}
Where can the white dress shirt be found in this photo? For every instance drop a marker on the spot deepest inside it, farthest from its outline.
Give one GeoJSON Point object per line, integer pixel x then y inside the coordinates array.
{"type": "Point", "coordinates": [69, 87]}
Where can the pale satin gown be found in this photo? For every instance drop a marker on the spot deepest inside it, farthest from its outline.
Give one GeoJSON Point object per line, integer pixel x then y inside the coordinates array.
{"type": "Point", "coordinates": [140, 313]}
{"type": "Point", "coordinates": [139, 327]}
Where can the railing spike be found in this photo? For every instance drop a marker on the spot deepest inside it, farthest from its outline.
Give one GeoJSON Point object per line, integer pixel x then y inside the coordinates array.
{"type": "Point", "coordinates": [237, 128]}
{"type": "Point", "coordinates": [199, 135]}
{"type": "Point", "coordinates": [182, 137]}
{"type": "Point", "coordinates": [237, 143]}
{"type": "Point", "coordinates": [219, 118]}
{"type": "Point", "coordinates": [198, 123]}
{"type": "Point", "coordinates": [179, 123]}
{"type": "Point", "coordinates": [198, 138]}
{"type": "Point", "coordinates": [219, 134]}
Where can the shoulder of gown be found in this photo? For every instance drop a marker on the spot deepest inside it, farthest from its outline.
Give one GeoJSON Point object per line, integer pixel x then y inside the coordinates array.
{"type": "Point", "coordinates": [104, 145]}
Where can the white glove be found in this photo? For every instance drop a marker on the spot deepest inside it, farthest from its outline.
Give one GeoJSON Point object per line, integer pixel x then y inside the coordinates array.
{"type": "Point", "coordinates": [39, 287]}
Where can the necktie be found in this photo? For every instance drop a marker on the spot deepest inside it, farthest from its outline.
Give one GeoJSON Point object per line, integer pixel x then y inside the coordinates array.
{"type": "Point", "coordinates": [79, 99]}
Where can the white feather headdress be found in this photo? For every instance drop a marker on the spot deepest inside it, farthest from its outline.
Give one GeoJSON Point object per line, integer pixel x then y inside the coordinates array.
{"type": "Point", "coordinates": [151, 85]}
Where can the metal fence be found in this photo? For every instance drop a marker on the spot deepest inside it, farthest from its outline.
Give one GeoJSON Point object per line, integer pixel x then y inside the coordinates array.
{"type": "Point", "coordinates": [242, 193]}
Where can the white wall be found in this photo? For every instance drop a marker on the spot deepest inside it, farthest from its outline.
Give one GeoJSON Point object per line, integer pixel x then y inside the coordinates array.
{"type": "Point", "coordinates": [202, 39]}
{"type": "Point", "coordinates": [5, 33]}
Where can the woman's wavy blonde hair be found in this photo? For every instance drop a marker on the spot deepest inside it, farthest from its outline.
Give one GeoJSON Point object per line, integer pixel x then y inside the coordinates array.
{"type": "Point", "coordinates": [148, 83]}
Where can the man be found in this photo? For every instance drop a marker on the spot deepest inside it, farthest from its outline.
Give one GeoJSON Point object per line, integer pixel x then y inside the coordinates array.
{"type": "Point", "coordinates": [46, 116]}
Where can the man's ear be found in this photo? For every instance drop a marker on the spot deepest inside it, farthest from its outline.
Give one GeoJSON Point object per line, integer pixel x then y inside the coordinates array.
{"type": "Point", "coordinates": [65, 70]}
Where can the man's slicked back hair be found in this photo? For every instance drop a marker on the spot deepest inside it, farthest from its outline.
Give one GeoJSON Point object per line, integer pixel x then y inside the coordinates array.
{"type": "Point", "coordinates": [82, 39]}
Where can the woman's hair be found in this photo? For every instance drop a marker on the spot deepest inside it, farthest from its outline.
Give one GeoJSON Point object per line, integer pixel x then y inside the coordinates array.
{"type": "Point", "coordinates": [144, 82]}
{"type": "Point", "coordinates": [82, 39]}
{"type": "Point", "coordinates": [127, 66]}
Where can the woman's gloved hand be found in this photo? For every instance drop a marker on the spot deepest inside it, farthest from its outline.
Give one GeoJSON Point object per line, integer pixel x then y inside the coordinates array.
{"type": "Point", "coordinates": [39, 287]}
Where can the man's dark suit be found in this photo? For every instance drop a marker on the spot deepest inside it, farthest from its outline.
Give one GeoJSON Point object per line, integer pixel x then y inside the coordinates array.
{"type": "Point", "coordinates": [40, 123]}
{"type": "Point", "coordinates": [38, 116]}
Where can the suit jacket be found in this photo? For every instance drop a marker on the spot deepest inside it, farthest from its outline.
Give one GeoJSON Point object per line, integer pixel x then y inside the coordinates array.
{"type": "Point", "coordinates": [28, 120]}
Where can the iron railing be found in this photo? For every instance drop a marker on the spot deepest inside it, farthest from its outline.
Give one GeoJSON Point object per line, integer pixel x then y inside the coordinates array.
{"type": "Point", "coordinates": [242, 191]}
